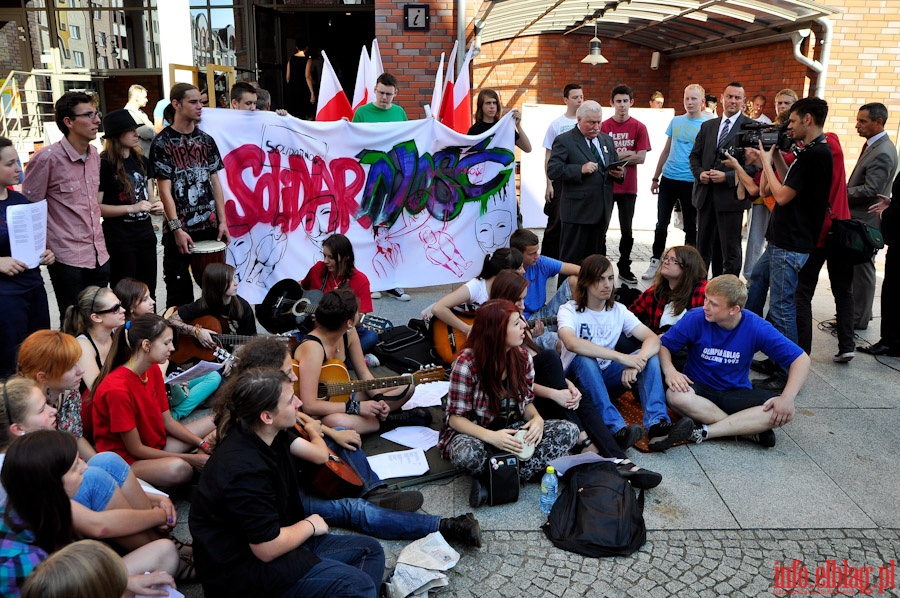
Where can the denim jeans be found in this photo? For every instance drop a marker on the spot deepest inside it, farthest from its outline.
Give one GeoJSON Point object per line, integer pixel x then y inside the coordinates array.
{"type": "Point", "coordinates": [360, 515]}
{"type": "Point", "coordinates": [351, 567]}
{"type": "Point", "coordinates": [105, 472]}
{"type": "Point", "coordinates": [360, 464]}
{"type": "Point", "coordinates": [756, 238]}
{"type": "Point", "coordinates": [563, 295]}
{"type": "Point", "coordinates": [777, 271]}
{"type": "Point", "coordinates": [602, 385]}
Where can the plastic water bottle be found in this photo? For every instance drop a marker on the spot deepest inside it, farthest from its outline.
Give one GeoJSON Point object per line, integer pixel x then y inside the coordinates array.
{"type": "Point", "coordinates": [549, 487]}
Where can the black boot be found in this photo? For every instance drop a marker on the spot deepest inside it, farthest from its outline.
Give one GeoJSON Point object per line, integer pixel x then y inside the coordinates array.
{"type": "Point", "coordinates": [414, 417]}
{"type": "Point", "coordinates": [465, 529]}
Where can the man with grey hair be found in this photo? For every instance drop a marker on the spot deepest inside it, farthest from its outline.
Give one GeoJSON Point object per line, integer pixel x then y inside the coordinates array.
{"type": "Point", "coordinates": [137, 99]}
{"type": "Point", "coordinates": [872, 175]}
{"type": "Point", "coordinates": [581, 161]}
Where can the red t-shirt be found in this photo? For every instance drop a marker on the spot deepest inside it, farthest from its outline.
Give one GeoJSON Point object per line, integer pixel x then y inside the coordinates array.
{"type": "Point", "coordinates": [122, 403]}
{"type": "Point", "coordinates": [631, 136]}
{"type": "Point", "coordinates": [358, 283]}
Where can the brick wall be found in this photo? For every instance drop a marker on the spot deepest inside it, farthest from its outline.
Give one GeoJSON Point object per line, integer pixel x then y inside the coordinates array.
{"type": "Point", "coordinates": [414, 56]}
{"type": "Point", "coordinates": [10, 49]}
{"type": "Point", "coordinates": [764, 69]}
{"type": "Point", "coordinates": [536, 68]}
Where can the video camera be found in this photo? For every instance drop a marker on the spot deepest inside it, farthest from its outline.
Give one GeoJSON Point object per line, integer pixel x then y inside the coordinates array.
{"type": "Point", "coordinates": [752, 133]}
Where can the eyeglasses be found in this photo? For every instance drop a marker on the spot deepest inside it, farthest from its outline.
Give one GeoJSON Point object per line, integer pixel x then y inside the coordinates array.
{"type": "Point", "coordinates": [115, 308]}
{"type": "Point", "coordinates": [671, 260]}
{"type": "Point", "coordinates": [387, 94]}
{"type": "Point", "coordinates": [91, 115]}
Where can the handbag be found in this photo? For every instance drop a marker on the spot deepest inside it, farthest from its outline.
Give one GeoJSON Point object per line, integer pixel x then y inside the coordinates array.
{"type": "Point", "coordinates": [853, 240]}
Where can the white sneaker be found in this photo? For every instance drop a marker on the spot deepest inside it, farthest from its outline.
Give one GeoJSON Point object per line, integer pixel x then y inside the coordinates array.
{"type": "Point", "coordinates": [376, 295]}
{"type": "Point", "coordinates": [651, 269]}
{"type": "Point", "coordinates": [372, 361]}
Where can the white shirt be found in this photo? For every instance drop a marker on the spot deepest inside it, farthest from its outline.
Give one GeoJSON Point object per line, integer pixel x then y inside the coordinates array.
{"type": "Point", "coordinates": [603, 328]}
{"type": "Point", "coordinates": [559, 126]}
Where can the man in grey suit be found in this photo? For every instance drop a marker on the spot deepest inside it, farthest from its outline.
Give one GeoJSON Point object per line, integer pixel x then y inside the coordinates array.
{"type": "Point", "coordinates": [719, 211]}
{"type": "Point", "coordinates": [872, 175]}
{"type": "Point", "coordinates": [580, 160]}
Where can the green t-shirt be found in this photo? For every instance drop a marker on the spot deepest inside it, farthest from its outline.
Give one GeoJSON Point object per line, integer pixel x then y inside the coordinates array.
{"type": "Point", "coordinates": [370, 113]}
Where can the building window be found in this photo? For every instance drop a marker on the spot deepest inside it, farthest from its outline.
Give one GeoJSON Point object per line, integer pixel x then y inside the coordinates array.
{"type": "Point", "coordinates": [75, 31]}
{"type": "Point", "coordinates": [101, 39]}
{"type": "Point", "coordinates": [79, 58]}
{"type": "Point", "coordinates": [104, 62]}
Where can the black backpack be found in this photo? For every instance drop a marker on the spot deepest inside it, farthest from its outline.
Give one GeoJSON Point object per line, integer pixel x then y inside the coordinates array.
{"type": "Point", "coordinates": [405, 349]}
{"type": "Point", "coordinates": [596, 513]}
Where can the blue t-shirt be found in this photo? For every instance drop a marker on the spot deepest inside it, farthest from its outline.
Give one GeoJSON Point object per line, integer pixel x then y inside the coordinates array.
{"type": "Point", "coordinates": [683, 131]}
{"type": "Point", "coordinates": [721, 358]}
{"type": "Point", "coordinates": [537, 277]}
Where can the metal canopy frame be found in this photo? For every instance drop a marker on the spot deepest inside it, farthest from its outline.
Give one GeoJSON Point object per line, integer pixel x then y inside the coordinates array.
{"type": "Point", "coordinates": [670, 26]}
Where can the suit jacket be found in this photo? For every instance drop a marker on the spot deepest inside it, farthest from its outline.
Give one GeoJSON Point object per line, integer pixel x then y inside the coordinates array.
{"type": "Point", "coordinates": [890, 218]}
{"type": "Point", "coordinates": [704, 157]}
{"type": "Point", "coordinates": [873, 174]}
{"type": "Point", "coordinates": [585, 198]}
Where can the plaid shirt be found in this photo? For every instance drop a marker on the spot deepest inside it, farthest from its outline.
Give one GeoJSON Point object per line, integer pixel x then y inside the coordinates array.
{"type": "Point", "coordinates": [467, 397]}
{"type": "Point", "coordinates": [649, 311]}
{"type": "Point", "coordinates": [18, 558]}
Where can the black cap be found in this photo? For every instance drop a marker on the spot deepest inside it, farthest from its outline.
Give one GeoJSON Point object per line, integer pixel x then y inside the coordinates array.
{"type": "Point", "coordinates": [117, 122]}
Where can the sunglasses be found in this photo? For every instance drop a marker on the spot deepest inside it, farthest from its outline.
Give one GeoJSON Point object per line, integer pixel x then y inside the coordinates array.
{"type": "Point", "coordinates": [115, 308]}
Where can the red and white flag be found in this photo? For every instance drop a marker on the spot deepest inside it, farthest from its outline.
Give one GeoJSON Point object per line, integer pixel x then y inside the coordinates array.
{"type": "Point", "coordinates": [462, 107]}
{"type": "Point", "coordinates": [446, 112]}
{"type": "Point", "coordinates": [332, 103]}
{"type": "Point", "coordinates": [361, 92]}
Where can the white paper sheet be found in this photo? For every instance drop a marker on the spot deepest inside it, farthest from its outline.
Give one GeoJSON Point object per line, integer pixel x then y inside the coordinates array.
{"type": "Point", "coordinates": [399, 464]}
{"type": "Point", "coordinates": [427, 395]}
{"type": "Point", "coordinates": [28, 232]}
{"type": "Point", "coordinates": [413, 436]}
{"type": "Point", "coordinates": [198, 371]}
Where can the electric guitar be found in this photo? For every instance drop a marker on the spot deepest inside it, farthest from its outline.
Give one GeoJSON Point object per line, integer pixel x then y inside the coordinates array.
{"type": "Point", "coordinates": [448, 341]}
{"type": "Point", "coordinates": [336, 386]}
{"type": "Point", "coordinates": [335, 478]}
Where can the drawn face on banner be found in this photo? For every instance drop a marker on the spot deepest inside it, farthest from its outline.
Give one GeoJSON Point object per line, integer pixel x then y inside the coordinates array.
{"type": "Point", "coordinates": [319, 219]}
{"type": "Point", "coordinates": [493, 228]}
{"type": "Point", "coordinates": [239, 254]}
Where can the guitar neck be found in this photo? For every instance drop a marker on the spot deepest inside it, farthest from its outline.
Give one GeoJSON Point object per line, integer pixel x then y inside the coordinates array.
{"type": "Point", "coordinates": [344, 388]}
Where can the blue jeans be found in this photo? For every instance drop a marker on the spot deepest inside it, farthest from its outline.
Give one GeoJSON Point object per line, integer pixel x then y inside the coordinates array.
{"type": "Point", "coordinates": [360, 515]}
{"type": "Point", "coordinates": [756, 238]}
{"type": "Point", "coordinates": [105, 472]}
{"type": "Point", "coordinates": [360, 464]}
{"type": "Point", "coordinates": [778, 272]}
{"type": "Point", "coordinates": [368, 338]}
{"type": "Point", "coordinates": [182, 404]}
{"type": "Point", "coordinates": [601, 385]}
{"type": "Point", "coordinates": [351, 567]}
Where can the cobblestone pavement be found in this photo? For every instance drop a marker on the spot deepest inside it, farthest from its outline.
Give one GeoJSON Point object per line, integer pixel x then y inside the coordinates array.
{"type": "Point", "coordinates": [672, 563]}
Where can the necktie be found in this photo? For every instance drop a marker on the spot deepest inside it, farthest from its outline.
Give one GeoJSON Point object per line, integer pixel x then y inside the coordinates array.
{"type": "Point", "coordinates": [595, 151]}
{"type": "Point", "coordinates": [724, 132]}
{"type": "Point", "coordinates": [863, 150]}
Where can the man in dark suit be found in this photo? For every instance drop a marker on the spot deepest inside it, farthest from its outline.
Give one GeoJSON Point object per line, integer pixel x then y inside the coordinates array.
{"type": "Point", "coordinates": [580, 160]}
{"type": "Point", "coordinates": [871, 177]}
{"type": "Point", "coordinates": [890, 289]}
{"type": "Point", "coordinates": [719, 211]}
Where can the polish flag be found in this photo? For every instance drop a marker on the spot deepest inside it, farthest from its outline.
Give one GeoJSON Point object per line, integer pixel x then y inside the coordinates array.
{"type": "Point", "coordinates": [446, 109]}
{"type": "Point", "coordinates": [437, 94]}
{"type": "Point", "coordinates": [332, 101]}
{"type": "Point", "coordinates": [376, 68]}
{"type": "Point", "coordinates": [360, 91]}
{"type": "Point", "coordinates": [462, 109]}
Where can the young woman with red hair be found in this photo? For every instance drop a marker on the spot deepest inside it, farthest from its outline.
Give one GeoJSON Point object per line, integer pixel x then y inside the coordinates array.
{"type": "Point", "coordinates": [491, 394]}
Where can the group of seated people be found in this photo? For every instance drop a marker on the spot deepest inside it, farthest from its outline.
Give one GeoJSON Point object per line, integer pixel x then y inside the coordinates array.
{"type": "Point", "coordinates": [89, 431]}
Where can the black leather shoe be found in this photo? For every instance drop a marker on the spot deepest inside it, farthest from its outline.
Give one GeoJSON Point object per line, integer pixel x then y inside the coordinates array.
{"type": "Point", "coordinates": [880, 348]}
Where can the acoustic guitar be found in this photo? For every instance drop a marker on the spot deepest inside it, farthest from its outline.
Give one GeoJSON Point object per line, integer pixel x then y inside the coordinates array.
{"type": "Point", "coordinates": [188, 347]}
{"type": "Point", "coordinates": [335, 478]}
{"type": "Point", "coordinates": [336, 386]}
{"type": "Point", "coordinates": [448, 341]}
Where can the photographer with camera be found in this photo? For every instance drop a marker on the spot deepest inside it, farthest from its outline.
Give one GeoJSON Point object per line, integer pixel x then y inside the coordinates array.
{"type": "Point", "coordinates": [719, 211]}
{"type": "Point", "coordinates": [800, 205]}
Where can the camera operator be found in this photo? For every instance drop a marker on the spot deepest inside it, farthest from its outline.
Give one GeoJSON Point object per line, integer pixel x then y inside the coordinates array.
{"type": "Point", "coordinates": [720, 213]}
{"type": "Point", "coordinates": [800, 205]}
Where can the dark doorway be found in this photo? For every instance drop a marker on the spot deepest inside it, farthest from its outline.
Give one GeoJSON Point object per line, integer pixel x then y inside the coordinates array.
{"type": "Point", "coordinates": [340, 33]}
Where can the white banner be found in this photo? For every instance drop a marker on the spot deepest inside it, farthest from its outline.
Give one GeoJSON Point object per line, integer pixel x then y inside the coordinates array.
{"type": "Point", "coordinates": [421, 203]}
